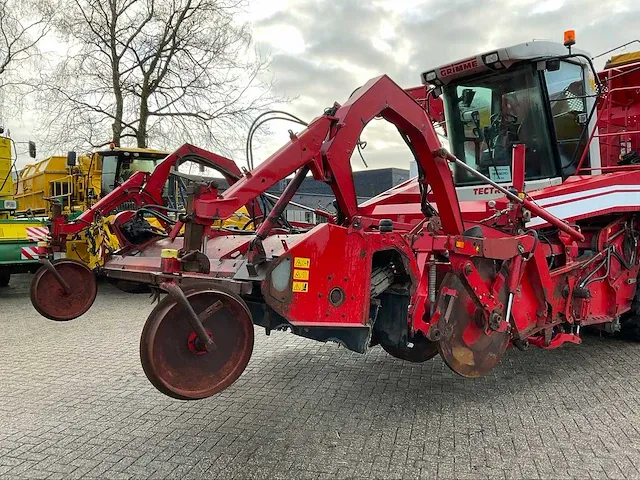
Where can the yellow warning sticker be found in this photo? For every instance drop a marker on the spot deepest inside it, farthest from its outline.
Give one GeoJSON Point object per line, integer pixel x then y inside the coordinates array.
{"type": "Point", "coordinates": [301, 262]}
{"type": "Point", "coordinates": [301, 287]}
{"type": "Point", "coordinates": [301, 274]}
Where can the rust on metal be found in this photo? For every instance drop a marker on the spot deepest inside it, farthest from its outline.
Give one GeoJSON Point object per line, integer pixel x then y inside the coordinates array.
{"type": "Point", "coordinates": [470, 350]}
{"type": "Point", "coordinates": [172, 358]}
{"type": "Point", "coordinates": [61, 303]}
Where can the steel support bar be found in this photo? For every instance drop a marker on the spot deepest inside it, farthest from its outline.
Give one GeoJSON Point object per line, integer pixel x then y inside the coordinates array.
{"type": "Point", "coordinates": [518, 167]}
{"type": "Point", "coordinates": [49, 266]}
{"type": "Point", "coordinates": [176, 292]}
{"type": "Point", "coordinates": [529, 205]}
{"type": "Point", "coordinates": [289, 191]}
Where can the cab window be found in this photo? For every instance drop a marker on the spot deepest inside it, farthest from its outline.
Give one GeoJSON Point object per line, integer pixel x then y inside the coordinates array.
{"type": "Point", "coordinates": [569, 110]}
{"type": "Point", "coordinates": [109, 170]}
{"type": "Point", "coordinates": [489, 114]}
{"type": "Point", "coordinates": [117, 168]}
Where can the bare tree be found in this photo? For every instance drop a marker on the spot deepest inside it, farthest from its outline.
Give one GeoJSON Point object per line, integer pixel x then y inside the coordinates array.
{"type": "Point", "coordinates": [153, 72]}
{"type": "Point", "coordinates": [21, 30]}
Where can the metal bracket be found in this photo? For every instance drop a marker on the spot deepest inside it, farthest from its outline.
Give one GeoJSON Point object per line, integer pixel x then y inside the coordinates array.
{"type": "Point", "coordinates": [49, 266]}
{"type": "Point", "coordinates": [194, 319]}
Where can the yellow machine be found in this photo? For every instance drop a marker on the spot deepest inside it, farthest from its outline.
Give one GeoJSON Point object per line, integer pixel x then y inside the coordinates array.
{"type": "Point", "coordinates": [18, 236]}
{"type": "Point", "coordinates": [6, 180]}
{"type": "Point", "coordinates": [77, 182]}
{"type": "Point", "coordinates": [72, 184]}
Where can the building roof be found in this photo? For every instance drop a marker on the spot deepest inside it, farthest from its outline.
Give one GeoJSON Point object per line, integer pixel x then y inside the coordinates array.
{"type": "Point", "coordinates": [368, 183]}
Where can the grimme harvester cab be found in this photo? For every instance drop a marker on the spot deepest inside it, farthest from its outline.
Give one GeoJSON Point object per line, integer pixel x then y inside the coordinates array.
{"type": "Point", "coordinates": [506, 96]}
{"type": "Point", "coordinates": [415, 270]}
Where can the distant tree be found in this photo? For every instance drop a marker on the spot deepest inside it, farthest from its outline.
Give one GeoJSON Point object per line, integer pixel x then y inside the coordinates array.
{"type": "Point", "coordinates": [20, 33]}
{"type": "Point", "coordinates": [153, 73]}
{"type": "Point", "coordinates": [22, 29]}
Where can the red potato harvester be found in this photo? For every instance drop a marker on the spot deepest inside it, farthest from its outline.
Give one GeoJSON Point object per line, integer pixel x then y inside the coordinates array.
{"type": "Point", "coordinates": [415, 269]}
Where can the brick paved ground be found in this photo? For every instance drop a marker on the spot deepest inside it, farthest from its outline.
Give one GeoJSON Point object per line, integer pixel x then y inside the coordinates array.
{"type": "Point", "coordinates": [75, 402]}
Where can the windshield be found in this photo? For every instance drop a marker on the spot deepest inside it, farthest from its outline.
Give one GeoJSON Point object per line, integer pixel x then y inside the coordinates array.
{"type": "Point", "coordinates": [117, 167]}
{"type": "Point", "coordinates": [487, 115]}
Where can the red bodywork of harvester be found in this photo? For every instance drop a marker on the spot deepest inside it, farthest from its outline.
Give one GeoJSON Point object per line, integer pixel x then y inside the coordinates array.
{"type": "Point", "coordinates": [618, 129]}
{"type": "Point", "coordinates": [452, 282]}
{"type": "Point", "coordinates": [420, 274]}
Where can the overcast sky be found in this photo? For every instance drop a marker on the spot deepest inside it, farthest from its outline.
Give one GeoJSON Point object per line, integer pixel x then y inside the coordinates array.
{"type": "Point", "coordinates": [323, 49]}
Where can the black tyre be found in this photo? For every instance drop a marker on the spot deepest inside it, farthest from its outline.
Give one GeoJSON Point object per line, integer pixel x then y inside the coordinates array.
{"type": "Point", "coordinates": [630, 322]}
{"type": "Point", "coordinates": [421, 351]}
{"type": "Point", "coordinates": [130, 287]}
{"type": "Point", "coordinates": [5, 276]}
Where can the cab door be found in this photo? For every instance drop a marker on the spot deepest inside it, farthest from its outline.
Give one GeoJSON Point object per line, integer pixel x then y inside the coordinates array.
{"type": "Point", "coordinates": [568, 107]}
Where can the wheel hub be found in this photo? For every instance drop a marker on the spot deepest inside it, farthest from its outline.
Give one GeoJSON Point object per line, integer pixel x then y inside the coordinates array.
{"type": "Point", "coordinates": [195, 345]}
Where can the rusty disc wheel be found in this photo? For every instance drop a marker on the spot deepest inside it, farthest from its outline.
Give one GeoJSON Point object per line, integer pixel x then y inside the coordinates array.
{"type": "Point", "coordinates": [49, 298]}
{"type": "Point", "coordinates": [171, 355]}
{"type": "Point", "coordinates": [470, 351]}
{"type": "Point", "coordinates": [422, 350]}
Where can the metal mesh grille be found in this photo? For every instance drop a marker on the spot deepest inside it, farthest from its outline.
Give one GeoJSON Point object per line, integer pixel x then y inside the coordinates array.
{"type": "Point", "coordinates": [130, 205]}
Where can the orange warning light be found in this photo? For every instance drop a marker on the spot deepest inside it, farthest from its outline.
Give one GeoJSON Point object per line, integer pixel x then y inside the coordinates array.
{"type": "Point", "coordinates": [569, 38]}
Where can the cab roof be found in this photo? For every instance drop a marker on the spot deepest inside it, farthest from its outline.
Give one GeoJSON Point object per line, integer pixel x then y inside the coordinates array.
{"type": "Point", "coordinates": [133, 150]}
{"type": "Point", "coordinates": [497, 59]}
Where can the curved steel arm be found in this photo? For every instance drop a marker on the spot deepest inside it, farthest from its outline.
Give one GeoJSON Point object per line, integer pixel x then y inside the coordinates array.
{"type": "Point", "coordinates": [327, 144]}
{"type": "Point", "coordinates": [144, 188]}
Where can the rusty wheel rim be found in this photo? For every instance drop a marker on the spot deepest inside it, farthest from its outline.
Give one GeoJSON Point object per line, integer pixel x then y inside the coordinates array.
{"type": "Point", "coordinates": [422, 350]}
{"type": "Point", "coordinates": [52, 302]}
{"type": "Point", "coordinates": [166, 345]}
{"type": "Point", "coordinates": [470, 351]}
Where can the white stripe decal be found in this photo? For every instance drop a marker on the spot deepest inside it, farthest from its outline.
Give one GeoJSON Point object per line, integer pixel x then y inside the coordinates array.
{"type": "Point", "coordinates": [592, 205]}
{"type": "Point", "coordinates": [37, 233]}
{"type": "Point", "coordinates": [28, 253]}
{"type": "Point", "coordinates": [586, 193]}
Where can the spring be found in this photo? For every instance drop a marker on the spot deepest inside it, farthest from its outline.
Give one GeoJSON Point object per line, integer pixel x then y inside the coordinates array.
{"type": "Point", "coordinates": [432, 286]}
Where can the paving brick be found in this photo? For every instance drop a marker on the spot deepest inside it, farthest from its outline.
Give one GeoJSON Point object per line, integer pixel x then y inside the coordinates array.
{"type": "Point", "coordinates": [79, 406]}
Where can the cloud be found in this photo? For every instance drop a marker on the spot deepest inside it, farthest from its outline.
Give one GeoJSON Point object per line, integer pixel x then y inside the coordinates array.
{"type": "Point", "coordinates": [322, 50]}
{"type": "Point", "coordinates": [346, 42]}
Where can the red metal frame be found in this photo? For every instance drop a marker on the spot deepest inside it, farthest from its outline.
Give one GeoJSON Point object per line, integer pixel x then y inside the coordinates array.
{"type": "Point", "coordinates": [146, 189]}
{"type": "Point", "coordinates": [325, 147]}
{"type": "Point", "coordinates": [578, 273]}
{"type": "Point", "coordinates": [618, 126]}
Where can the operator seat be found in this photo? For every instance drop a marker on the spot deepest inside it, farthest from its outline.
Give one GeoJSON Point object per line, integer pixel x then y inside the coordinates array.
{"type": "Point", "coordinates": [528, 134]}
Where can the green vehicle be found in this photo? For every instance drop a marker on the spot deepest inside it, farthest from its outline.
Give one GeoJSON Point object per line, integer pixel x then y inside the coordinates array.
{"type": "Point", "coordinates": [18, 236]}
